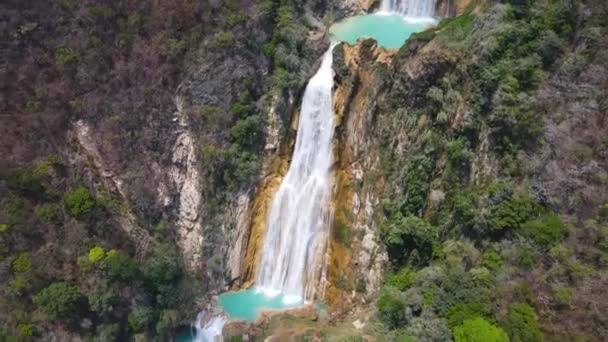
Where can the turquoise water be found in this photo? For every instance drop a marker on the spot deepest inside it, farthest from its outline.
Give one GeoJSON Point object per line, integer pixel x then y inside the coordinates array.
{"type": "Point", "coordinates": [247, 304]}
{"type": "Point", "coordinates": [185, 335]}
{"type": "Point", "coordinates": [391, 31]}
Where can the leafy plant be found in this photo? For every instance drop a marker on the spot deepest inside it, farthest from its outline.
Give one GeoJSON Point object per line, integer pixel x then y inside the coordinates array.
{"type": "Point", "coordinates": [79, 202]}
{"type": "Point", "coordinates": [522, 325]}
{"type": "Point", "coordinates": [60, 301]}
{"type": "Point", "coordinates": [140, 318]}
{"type": "Point", "coordinates": [547, 230]}
{"type": "Point", "coordinates": [479, 330]}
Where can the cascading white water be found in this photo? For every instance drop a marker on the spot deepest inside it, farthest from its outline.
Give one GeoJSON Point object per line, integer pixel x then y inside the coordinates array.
{"type": "Point", "coordinates": [208, 327]}
{"type": "Point", "coordinates": [410, 8]}
{"type": "Point", "coordinates": [297, 231]}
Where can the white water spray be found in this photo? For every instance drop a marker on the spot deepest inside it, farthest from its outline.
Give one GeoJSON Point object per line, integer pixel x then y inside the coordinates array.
{"type": "Point", "coordinates": [298, 227]}
{"type": "Point", "coordinates": [209, 327]}
{"type": "Point", "coordinates": [410, 8]}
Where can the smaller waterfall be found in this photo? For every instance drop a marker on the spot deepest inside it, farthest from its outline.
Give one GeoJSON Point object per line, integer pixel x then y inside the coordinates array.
{"type": "Point", "coordinates": [209, 329]}
{"type": "Point", "coordinates": [410, 8]}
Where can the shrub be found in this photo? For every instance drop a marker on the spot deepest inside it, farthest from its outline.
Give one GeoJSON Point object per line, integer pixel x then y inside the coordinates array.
{"type": "Point", "coordinates": [492, 260]}
{"type": "Point", "coordinates": [167, 323]}
{"type": "Point", "coordinates": [427, 328]}
{"type": "Point", "coordinates": [391, 308]}
{"type": "Point", "coordinates": [107, 333]}
{"type": "Point", "coordinates": [459, 313]}
{"type": "Point", "coordinates": [212, 115]}
{"type": "Point", "coordinates": [140, 318]}
{"type": "Point", "coordinates": [66, 57]}
{"type": "Point", "coordinates": [547, 230]}
{"type": "Point", "coordinates": [247, 132]}
{"type": "Point", "coordinates": [479, 330]}
{"type": "Point", "coordinates": [521, 324]}
{"type": "Point", "coordinates": [511, 214]}
{"type": "Point", "coordinates": [162, 270]}
{"type": "Point", "coordinates": [60, 301]}
{"type": "Point", "coordinates": [18, 285]}
{"type": "Point", "coordinates": [79, 202]}
{"type": "Point", "coordinates": [409, 237]}
{"type": "Point", "coordinates": [402, 280]}
{"type": "Point", "coordinates": [562, 295]}
{"type": "Point", "coordinates": [49, 212]}
{"type": "Point", "coordinates": [224, 38]}
{"type": "Point", "coordinates": [95, 254]}
{"type": "Point", "coordinates": [416, 184]}
{"type": "Point", "coordinates": [341, 232]}
{"type": "Point", "coordinates": [102, 299]}
{"type": "Point", "coordinates": [119, 265]}
{"type": "Point", "coordinates": [26, 329]}
{"type": "Point", "coordinates": [22, 263]}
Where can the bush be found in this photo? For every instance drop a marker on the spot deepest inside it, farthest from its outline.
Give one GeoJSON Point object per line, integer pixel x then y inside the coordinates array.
{"type": "Point", "coordinates": [509, 215]}
{"type": "Point", "coordinates": [391, 308]}
{"type": "Point", "coordinates": [522, 325]}
{"type": "Point", "coordinates": [212, 115]}
{"type": "Point", "coordinates": [547, 230]}
{"type": "Point", "coordinates": [427, 328]}
{"type": "Point", "coordinates": [492, 260]}
{"type": "Point", "coordinates": [60, 301]}
{"type": "Point", "coordinates": [96, 254]}
{"type": "Point", "coordinates": [479, 330]}
{"type": "Point", "coordinates": [140, 318]}
{"type": "Point", "coordinates": [22, 263]}
{"type": "Point", "coordinates": [162, 271]}
{"type": "Point", "coordinates": [224, 38]}
{"type": "Point", "coordinates": [459, 313]}
{"type": "Point", "coordinates": [409, 237]}
{"type": "Point", "coordinates": [50, 212]}
{"type": "Point", "coordinates": [119, 265]}
{"type": "Point", "coordinates": [66, 57]}
{"type": "Point", "coordinates": [247, 132]}
{"type": "Point", "coordinates": [79, 202]}
{"type": "Point", "coordinates": [402, 280]}
{"type": "Point", "coordinates": [416, 184]}
{"type": "Point", "coordinates": [26, 329]}
{"type": "Point", "coordinates": [102, 299]}
{"type": "Point", "coordinates": [562, 295]}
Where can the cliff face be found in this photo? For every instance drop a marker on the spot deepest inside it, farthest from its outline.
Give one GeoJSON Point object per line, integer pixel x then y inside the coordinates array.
{"type": "Point", "coordinates": [402, 116]}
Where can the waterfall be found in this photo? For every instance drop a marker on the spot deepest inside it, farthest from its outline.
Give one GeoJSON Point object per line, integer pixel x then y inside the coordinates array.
{"type": "Point", "coordinates": [298, 226]}
{"type": "Point", "coordinates": [410, 8]}
{"type": "Point", "coordinates": [208, 327]}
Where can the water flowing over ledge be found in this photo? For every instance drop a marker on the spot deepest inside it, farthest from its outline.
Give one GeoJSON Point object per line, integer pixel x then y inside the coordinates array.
{"type": "Point", "coordinates": [296, 240]}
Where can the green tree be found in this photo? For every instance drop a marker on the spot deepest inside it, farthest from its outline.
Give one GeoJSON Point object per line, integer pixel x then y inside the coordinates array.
{"type": "Point", "coordinates": [140, 318]}
{"type": "Point", "coordinates": [479, 330]}
{"type": "Point", "coordinates": [409, 237]}
{"type": "Point", "coordinates": [96, 254]}
{"type": "Point", "coordinates": [547, 230]}
{"type": "Point", "coordinates": [391, 308]}
{"type": "Point", "coordinates": [459, 313]}
{"type": "Point", "coordinates": [162, 271]}
{"type": "Point", "coordinates": [102, 299]}
{"type": "Point", "coordinates": [60, 301]}
{"type": "Point", "coordinates": [522, 324]}
{"type": "Point", "coordinates": [119, 265]}
{"type": "Point", "coordinates": [22, 263]}
{"type": "Point", "coordinates": [79, 202]}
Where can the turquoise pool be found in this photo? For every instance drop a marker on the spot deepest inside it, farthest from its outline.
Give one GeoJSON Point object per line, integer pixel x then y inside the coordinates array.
{"type": "Point", "coordinates": [247, 304]}
{"type": "Point", "coordinates": [390, 30]}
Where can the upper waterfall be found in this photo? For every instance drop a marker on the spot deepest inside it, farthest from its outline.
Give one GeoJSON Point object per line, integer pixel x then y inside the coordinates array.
{"type": "Point", "coordinates": [293, 255]}
{"type": "Point", "coordinates": [410, 8]}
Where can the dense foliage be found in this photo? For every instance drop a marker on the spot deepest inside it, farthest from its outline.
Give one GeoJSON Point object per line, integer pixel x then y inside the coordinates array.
{"type": "Point", "coordinates": [465, 243]}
